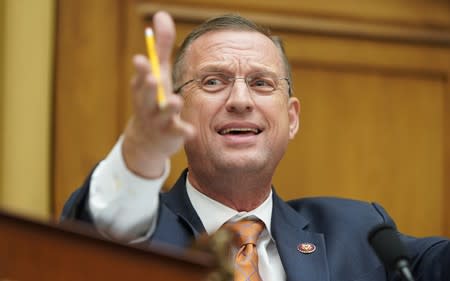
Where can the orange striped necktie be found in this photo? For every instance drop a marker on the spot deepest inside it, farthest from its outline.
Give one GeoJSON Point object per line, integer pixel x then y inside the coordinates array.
{"type": "Point", "coordinates": [245, 234]}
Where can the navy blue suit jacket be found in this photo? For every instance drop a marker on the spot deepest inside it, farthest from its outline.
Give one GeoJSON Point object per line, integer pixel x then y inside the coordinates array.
{"type": "Point", "coordinates": [338, 228]}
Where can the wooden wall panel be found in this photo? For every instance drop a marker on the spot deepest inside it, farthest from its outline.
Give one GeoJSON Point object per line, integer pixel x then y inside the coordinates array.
{"type": "Point", "coordinates": [87, 84]}
{"type": "Point", "coordinates": [447, 154]}
{"type": "Point", "coordinates": [373, 137]}
{"type": "Point", "coordinates": [375, 103]}
{"type": "Point", "coordinates": [411, 12]}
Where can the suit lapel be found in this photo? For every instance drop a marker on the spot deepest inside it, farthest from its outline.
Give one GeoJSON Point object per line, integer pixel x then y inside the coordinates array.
{"type": "Point", "coordinates": [289, 231]}
{"type": "Point", "coordinates": [178, 201]}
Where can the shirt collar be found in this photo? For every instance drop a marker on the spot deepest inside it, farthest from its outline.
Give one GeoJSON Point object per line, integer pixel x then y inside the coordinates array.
{"type": "Point", "coordinates": [205, 206]}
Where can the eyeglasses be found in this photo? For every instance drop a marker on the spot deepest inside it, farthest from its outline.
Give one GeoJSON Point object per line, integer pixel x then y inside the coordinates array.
{"type": "Point", "coordinates": [263, 83]}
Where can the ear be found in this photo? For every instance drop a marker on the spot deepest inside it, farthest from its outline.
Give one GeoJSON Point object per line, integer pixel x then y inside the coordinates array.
{"type": "Point", "coordinates": [294, 116]}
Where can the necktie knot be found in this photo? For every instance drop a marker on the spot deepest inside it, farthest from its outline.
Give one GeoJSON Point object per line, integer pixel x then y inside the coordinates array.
{"type": "Point", "coordinates": [246, 231]}
{"type": "Point", "coordinates": [245, 234]}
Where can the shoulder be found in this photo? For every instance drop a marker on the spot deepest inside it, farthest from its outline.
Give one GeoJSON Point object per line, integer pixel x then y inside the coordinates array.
{"type": "Point", "coordinates": [334, 205]}
{"type": "Point", "coordinates": [338, 213]}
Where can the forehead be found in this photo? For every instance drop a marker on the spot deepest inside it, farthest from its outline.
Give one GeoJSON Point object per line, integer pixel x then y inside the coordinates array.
{"type": "Point", "coordinates": [237, 51]}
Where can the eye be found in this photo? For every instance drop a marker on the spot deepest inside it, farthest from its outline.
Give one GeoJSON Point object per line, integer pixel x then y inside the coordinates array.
{"type": "Point", "coordinates": [262, 83]}
{"type": "Point", "coordinates": [214, 82]}
{"type": "Point", "coordinates": [211, 82]}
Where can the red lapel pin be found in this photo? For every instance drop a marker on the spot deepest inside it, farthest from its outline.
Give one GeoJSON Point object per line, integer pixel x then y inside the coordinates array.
{"type": "Point", "coordinates": [306, 248]}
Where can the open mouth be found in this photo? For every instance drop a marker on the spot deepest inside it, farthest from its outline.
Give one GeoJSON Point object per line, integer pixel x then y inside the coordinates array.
{"type": "Point", "coordinates": [240, 131]}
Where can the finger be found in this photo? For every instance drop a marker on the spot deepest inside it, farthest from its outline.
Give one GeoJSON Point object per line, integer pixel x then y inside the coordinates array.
{"type": "Point", "coordinates": [165, 36]}
{"type": "Point", "coordinates": [181, 128]}
{"type": "Point", "coordinates": [144, 94]}
{"type": "Point", "coordinates": [164, 28]}
{"type": "Point", "coordinates": [142, 69]}
{"type": "Point", "coordinates": [187, 129]}
{"type": "Point", "coordinates": [141, 64]}
{"type": "Point", "coordinates": [173, 107]}
{"type": "Point", "coordinates": [143, 87]}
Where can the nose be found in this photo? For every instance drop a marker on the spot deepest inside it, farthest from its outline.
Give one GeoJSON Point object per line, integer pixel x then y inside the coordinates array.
{"type": "Point", "coordinates": [240, 98]}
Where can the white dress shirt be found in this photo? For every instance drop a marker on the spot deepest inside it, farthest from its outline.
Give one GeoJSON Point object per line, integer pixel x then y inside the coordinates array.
{"type": "Point", "coordinates": [125, 206]}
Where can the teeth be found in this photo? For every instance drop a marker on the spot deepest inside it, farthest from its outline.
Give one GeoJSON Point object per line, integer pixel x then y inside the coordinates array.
{"type": "Point", "coordinates": [229, 130]}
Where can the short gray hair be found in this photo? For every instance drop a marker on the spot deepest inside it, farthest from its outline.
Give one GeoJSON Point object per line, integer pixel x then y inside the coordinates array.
{"type": "Point", "coordinates": [226, 22]}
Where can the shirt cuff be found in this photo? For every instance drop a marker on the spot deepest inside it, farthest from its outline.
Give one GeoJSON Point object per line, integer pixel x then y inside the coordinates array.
{"type": "Point", "coordinates": [124, 205]}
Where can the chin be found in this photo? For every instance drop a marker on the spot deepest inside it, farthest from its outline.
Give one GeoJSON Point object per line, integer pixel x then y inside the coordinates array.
{"type": "Point", "coordinates": [242, 164]}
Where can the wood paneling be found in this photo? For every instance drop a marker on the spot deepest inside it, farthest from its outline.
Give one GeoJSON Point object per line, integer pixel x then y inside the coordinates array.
{"type": "Point", "coordinates": [415, 13]}
{"type": "Point", "coordinates": [32, 250]}
{"type": "Point", "coordinates": [370, 136]}
{"type": "Point", "coordinates": [26, 92]}
{"type": "Point", "coordinates": [446, 198]}
{"type": "Point", "coordinates": [2, 82]}
{"type": "Point", "coordinates": [309, 24]}
{"type": "Point", "coordinates": [375, 112]}
{"type": "Point", "coordinates": [88, 68]}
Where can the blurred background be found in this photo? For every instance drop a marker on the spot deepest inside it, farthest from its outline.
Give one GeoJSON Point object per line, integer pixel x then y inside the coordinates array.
{"type": "Point", "coordinates": [372, 75]}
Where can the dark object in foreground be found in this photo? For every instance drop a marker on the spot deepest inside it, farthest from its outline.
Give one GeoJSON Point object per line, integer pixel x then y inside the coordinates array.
{"type": "Point", "coordinates": [391, 251]}
{"type": "Point", "coordinates": [31, 250]}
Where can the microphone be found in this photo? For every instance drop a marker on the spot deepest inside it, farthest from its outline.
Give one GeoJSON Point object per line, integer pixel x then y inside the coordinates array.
{"type": "Point", "coordinates": [390, 250]}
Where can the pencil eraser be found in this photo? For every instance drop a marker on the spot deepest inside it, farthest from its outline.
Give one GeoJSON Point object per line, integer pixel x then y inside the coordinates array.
{"type": "Point", "coordinates": [148, 31]}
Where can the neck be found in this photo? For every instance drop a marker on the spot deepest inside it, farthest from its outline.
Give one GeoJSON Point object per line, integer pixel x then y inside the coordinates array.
{"type": "Point", "coordinates": [241, 192]}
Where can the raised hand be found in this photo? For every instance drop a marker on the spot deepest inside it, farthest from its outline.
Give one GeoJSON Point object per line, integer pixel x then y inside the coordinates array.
{"type": "Point", "coordinates": [153, 135]}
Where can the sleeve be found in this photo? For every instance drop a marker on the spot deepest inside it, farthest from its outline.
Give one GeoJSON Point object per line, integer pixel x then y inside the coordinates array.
{"type": "Point", "coordinates": [430, 256]}
{"type": "Point", "coordinates": [123, 206]}
{"type": "Point", "coordinates": [120, 204]}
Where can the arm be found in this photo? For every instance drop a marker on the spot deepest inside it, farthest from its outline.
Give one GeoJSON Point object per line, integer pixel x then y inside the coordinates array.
{"type": "Point", "coordinates": [121, 196]}
{"type": "Point", "coordinates": [118, 203]}
{"type": "Point", "coordinates": [123, 205]}
{"type": "Point", "coordinates": [430, 258]}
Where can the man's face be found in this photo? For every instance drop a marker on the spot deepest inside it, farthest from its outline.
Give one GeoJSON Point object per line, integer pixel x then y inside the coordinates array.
{"type": "Point", "coordinates": [238, 129]}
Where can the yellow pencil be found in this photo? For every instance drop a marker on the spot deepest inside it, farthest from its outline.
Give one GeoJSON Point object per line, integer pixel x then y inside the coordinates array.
{"type": "Point", "coordinates": [154, 60]}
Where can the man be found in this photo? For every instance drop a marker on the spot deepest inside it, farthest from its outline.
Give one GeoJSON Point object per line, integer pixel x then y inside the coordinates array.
{"type": "Point", "coordinates": [235, 115]}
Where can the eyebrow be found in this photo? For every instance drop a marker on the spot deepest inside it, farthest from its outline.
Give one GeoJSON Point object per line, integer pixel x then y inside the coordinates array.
{"type": "Point", "coordinates": [225, 70]}
{"type": "Point", "coordinates": [219, 68]}
{"type": "Point", "coordinates": [214, 68]}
